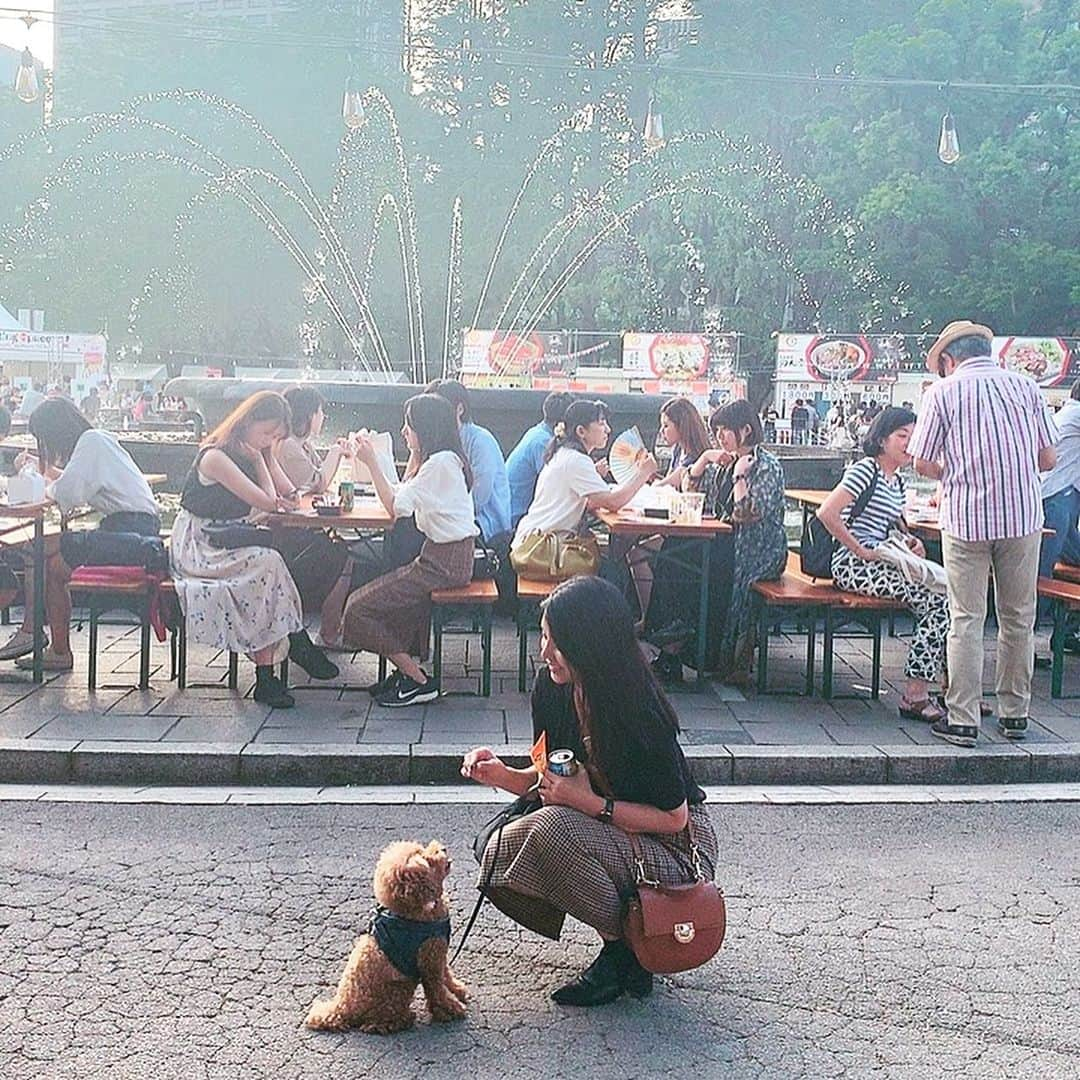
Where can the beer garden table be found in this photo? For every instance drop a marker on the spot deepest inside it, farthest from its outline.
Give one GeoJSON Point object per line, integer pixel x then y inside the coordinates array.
{"type": "Point", "coordinates": [635, 525]}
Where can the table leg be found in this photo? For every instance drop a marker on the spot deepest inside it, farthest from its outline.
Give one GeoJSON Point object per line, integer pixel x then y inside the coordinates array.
{"type": "Point", "coordinates": [703, 609]}
{"type": "Point", "coordinates": [39, 597]}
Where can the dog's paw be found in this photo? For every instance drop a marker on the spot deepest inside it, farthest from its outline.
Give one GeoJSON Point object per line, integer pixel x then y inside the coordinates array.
{"type": "Point", "coordinates": [447, 1011]}
{"type": "Point", "coordinates": [458, 989]}
{"type": "Point", "coordinates": [322, 1016]}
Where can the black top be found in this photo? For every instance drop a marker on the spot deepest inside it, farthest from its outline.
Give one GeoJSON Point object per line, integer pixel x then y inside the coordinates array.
{"type": "Point", "coordinates": [400, 938]}
{"type": "Point", "coordinates": [214, 501]}
{"type": "Point", "coordinates": [660, 775]}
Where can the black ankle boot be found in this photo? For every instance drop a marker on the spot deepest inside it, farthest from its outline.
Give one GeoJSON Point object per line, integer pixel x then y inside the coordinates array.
{"type": "Point", "coordinates": [600, 983]}
{"type": "Point", "coordinates": [307, 655]}
{"type": "Point", "coordinates": [270, 690]}
{"type": "Point", "coordinates": [638, 981]}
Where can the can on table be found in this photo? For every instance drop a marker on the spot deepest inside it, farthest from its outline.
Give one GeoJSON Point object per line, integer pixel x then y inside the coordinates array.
{"type": "Point", "coordinates": [347, 496]}
{"type": "Point", "coordinates": [562, 763]}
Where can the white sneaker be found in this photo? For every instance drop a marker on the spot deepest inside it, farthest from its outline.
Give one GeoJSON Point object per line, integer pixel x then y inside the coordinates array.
{"type": "Point", "coordinates": [19, 644]}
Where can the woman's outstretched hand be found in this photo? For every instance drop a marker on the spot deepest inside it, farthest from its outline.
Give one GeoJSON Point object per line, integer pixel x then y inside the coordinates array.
{"type": "Point", "coordinates": [573, 791]}
{"type": "Point", "coordinates": [482, 765]}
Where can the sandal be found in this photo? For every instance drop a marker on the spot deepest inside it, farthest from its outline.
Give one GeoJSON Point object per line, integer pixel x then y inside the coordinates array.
{"type": "Point", "coordinates": [925, 710]}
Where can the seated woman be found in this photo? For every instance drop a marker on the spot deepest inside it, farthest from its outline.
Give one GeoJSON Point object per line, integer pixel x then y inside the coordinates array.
{"type": "Point", "coordinates": [598, 698]}
{"type": "Point", "coordinates": [682, 429]}
{"type": "Point", "coordinates": [744, 486]}
{"type": "Point", "coordinates": [569, 483]}
{"type": "Point", "coordinates": [84, 467]}
{"type": "Point", "coordinates": [391, 615]}
{"type": "Point", "coordinates": [857, 567]}
{"type": "Point", "coordinates": [242, 598]}
{"type": "Point", "coordinates": [320, 565]}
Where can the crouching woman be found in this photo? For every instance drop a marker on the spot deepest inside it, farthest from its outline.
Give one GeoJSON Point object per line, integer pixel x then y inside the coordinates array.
{"type": "Point", "coordinates": [574, 856]}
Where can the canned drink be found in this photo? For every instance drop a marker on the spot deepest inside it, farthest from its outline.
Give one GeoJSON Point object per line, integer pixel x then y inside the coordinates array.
{"type": "Point", "coordinates": [562, 763]}
{"type": "Point", "coordinates": [347, 496]}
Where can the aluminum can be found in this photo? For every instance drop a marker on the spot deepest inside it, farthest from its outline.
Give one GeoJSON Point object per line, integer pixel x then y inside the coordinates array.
{"type": "Point", "coordinates": [347, 496]}
{"type": "Point", "coordinates": [562, 763]}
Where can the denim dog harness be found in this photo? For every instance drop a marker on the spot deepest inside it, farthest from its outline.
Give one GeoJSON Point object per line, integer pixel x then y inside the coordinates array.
{"type": "Point", "coordinates": [400, 939]}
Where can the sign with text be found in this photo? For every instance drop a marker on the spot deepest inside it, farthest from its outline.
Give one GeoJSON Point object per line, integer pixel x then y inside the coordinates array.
{"type": "Point", "coordinates": [823, 358]}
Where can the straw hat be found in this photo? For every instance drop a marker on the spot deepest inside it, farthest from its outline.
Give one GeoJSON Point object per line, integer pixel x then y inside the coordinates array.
{"type": "Point", "coordinates": [953, 332]}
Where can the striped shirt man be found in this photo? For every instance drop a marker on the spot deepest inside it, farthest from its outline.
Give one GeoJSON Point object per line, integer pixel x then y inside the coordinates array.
{"type": "Point", "coordinates": [985, 426]}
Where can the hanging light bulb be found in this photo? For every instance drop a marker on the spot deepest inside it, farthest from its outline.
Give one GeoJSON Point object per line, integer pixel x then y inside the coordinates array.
{"type": "Point", "coordinates": [26, 80]}
{"type": "Point", "coordinates": [652, 134]}
{"type": "Point", "coordinates": [352, 108]}
{"type": "Point", "coordinates": [948, 145]}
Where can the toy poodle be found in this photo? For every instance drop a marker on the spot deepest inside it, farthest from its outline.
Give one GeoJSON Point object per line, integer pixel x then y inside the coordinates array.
{"type": "Point", "coordinates": [405, 945]}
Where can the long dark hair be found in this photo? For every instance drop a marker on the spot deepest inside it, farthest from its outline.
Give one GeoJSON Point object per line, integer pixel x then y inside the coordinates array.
{"type": "Point", "coordinates": [304, 402]}
{"type": "Point", "coordinates": [693, 434]}
{"type": "Point", "coordinates": [435, 422]}
{"type": "Point", "coordinates": [882, 426]}
{"type": "Point", "coordinates": [57, 425]}
{"type": "Point", "coordinates": [629, 715]}
{"type": "Point", "coordinates": [580, 414]}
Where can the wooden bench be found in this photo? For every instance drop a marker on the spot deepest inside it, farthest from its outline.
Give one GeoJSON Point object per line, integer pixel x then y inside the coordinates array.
{"type": "Point", "coordinates": [1065, 598]}
{"type": "Point", "coordinates": [477, 599]}
{"type": "Point", "coordinates": [531, 594]}
{"type": "Point", "coordinates": [1064, 571]}
{"type": "Point", "coordinates": [809, 599]}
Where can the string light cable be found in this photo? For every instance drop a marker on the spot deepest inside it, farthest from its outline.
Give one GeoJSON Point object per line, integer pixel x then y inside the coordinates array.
{"type": "Point", "coordinates": [425, 52]}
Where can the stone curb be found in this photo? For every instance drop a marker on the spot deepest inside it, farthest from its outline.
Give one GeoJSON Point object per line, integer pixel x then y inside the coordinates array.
{"type": "Point", "coordinates": [322, 765]}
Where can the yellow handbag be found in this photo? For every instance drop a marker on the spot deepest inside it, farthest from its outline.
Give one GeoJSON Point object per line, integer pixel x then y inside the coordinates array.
{"type": "Point", "coordinates": [553, 556]}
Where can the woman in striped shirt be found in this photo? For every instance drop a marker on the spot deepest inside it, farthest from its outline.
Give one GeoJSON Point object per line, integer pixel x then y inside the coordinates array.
{"type": "Point", "coordinates": [857, 567]}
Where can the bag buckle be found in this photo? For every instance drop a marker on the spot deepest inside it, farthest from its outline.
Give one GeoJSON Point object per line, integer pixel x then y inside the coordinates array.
{"type": "Point", "coordinates": [684, 932]}
{"type": "Point", "coordinates": [641, 878]}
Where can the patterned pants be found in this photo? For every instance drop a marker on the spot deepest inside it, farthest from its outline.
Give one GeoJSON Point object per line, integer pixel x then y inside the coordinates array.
{"type": "Point", "coordinates": [926, 657]}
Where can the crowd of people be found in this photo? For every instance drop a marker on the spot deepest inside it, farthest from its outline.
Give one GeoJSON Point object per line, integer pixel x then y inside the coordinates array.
{"type": "Point", "coordinates": [249, 590]}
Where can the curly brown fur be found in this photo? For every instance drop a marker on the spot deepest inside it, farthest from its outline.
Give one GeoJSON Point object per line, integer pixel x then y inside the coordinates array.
{"type": "Point", "coordinates": [372, 994]}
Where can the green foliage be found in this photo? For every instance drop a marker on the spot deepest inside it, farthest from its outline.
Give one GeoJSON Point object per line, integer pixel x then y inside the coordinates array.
{"type": "Point", "coordinates": [821, 203]}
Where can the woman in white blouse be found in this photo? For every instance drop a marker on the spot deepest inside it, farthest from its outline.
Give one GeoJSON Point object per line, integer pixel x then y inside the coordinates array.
{"type": "Point", "coordinates": [391, 615]}
{"type": "Point", "coordinates": [569, 484]}
{"type": "Point", "coordinates": [83, 467]}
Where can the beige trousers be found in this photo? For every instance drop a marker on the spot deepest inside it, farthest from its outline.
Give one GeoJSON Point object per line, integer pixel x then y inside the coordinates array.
{"type": "Point", "coordinates": [1015, 566]}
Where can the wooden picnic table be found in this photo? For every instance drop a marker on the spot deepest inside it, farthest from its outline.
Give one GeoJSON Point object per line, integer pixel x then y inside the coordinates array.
{"type": "Point", "coordinates": [635, 524]}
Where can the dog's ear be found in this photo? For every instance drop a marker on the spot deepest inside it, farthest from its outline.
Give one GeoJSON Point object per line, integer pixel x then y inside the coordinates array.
{"type": "Point", "coordinates": [417, 884]}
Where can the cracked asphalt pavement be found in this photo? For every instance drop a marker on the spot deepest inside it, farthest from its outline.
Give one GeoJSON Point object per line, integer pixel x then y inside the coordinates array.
{"type": "Point", "coordinates": [899, 941]}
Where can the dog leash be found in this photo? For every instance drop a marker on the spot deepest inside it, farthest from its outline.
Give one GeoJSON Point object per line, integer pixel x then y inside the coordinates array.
{"type": "Point", "coordinates": [481, 898]}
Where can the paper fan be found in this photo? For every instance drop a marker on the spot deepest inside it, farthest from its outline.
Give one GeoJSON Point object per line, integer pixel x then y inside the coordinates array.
{"type": "Point", "coordinates": [625, 453]}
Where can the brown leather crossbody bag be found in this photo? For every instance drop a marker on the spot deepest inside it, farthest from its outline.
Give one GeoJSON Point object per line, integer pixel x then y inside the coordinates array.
{"type": "Point", "coordinates": [674, 927]}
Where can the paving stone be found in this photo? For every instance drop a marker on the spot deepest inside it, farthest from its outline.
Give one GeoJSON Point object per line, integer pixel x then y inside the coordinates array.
{"type": "Point", "coordinates": [324, 765]}
{"type": "Point", "coordinates": [1053, 762]}
{"type": "Point", "coordinates": [804, 733]}
{"type": "Point", "coordinates": [403, 732]}
{"type": "Point", "coordinates": [808, 765]}
{"type": "Point", "coordinates": [20, 726]}
{"type": "Point", "coordinates": [871, 733]}
{"type": "Point", "coordinates": [108, 726]}
{"type": "Point", "coordinates": [42, 761]}
{"type": "Point", "coordinates": [110, 762]}
{"type": "Point", "coordinates": [214, 729]}
{"type": "Point", "coordinates": [306, 734]}
{"type": "Point", "coordinates": [436, 764]}
{"type": "Point", "coordinates": [710, 764]}
{"type": "Point", "coordinates": [982, 764]}
{"type": "Point", "coordinates": [479, 720]}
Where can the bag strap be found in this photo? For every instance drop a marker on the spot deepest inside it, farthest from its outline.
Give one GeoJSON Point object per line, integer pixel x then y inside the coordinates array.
{"type": "Point", "coordinates": [639, 856]}
{"type": "Point", "coordinates": [863, 501]}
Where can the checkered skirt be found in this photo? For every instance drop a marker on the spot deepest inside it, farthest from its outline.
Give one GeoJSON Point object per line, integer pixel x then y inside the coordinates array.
{"type": "Point", "coordinates": [556, 862]}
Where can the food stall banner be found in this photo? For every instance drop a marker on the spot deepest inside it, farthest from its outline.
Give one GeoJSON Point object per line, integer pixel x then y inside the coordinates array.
{"type": "Point", "coordinates": [87, 351]}
{"type": "Point", "coordinates": [1050, 361]}
{"type": "Point", "coordinates": [512, 359]}
{"type": "Point", "coordinates": [825, 358]}
{"type": "Point", "coordinates": [674, 359]}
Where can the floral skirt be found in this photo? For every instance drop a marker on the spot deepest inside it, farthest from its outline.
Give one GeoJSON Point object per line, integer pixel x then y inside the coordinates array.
{"type": "Point", "coordinates": [240, 599]}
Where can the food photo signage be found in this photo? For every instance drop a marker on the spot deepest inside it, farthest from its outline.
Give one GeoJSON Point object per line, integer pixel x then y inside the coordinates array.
{"type": "Point", "coordinates": [514, 359]}
{"type": "Point", "coordinates": [1049, 361]}
{"type": "Point", "coordinates": [824, 358]}
{"type": "Point", "coordinates": [676, 361]}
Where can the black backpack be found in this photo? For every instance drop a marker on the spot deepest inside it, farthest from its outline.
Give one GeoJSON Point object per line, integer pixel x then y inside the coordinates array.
{"type": "Point", "coordinates": [818, 544]}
